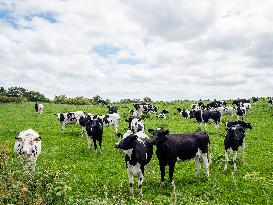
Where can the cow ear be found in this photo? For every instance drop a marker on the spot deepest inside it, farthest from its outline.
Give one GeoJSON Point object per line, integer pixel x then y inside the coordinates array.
{"type": "Point", "coordinates": [150, 130]}
{"type": "Point", "coordinates": [166, 132]}
{"type": "Point", "coordinates": [119, 135]}
{"type": "Point", "coordinates": [37, 139]}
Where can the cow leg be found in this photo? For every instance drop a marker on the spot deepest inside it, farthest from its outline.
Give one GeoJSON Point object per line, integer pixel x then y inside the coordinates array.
{"type": "Point", "coordinates": [243, 151]}
{"type": "Point", "coordinates": [198, 166]}
{"type": "Point", "coordinates": [171, 170]}
{"type": "Point", "coordinates": [88, 141]}
{"type": "Point", "coordinates": [148, 172]}
{"type": "Point", "coordinates": [200, 125]}
{"type": "Point", "coordinates": [217, 126]}
{"type": "Point", "coordinates": [83, 130]}
{"type": "Point", "coordinates": [206, 163]}
{"type": "Point", "coordinates": [100, 144]}
{"type": "Point", "coordinates": [62, 127]}
{"type": "Point", "coordinates": [234, 161]}
{"type": "Point", "coordinates": [140, 180]}
{"type": "Point", "coordinates": [131, 182]}
{"type": "Point", "coordinates": [116, 127]}
{"type": "Point", "coordinates": [205, 126]}
{"type": "Point", "coordinates": [162, 171]}
{"type": "Point", "coordinates": [95, 143]}
{"type": "Point", "coordinates": [226, 159]}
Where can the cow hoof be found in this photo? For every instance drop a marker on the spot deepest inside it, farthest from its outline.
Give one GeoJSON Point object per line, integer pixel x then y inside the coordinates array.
{"type": "Point", "coordinates": [140, 195]}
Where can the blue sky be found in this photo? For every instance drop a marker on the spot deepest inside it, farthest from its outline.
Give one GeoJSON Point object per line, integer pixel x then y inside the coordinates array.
{"type": "Point", "coordinates": [118, 49]}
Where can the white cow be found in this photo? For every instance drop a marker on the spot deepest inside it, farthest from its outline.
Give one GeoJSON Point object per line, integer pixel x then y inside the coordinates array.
{"type": "Point", "coordinates": [28, 145]}
{"type": "Point", "coordinates": [39, 107]}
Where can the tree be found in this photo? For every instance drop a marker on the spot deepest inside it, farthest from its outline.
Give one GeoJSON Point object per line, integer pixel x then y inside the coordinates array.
{"type": "Point", "coordinates": [36, 96]}
{"type": "Point", "coordinates": [16, 92]}
{"type": "Point", "coordinates": [3, 91]}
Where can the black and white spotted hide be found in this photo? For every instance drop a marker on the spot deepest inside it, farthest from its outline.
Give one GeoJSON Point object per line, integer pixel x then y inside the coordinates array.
{"type": "Point", "coordinates": [135, 124]}
{"type": "Point", "coordinates": [163, 114]}
{"type": "Point", "coordinates": [94, 129]}
{"type": "Point", "coordinates": [241, 111]}
{"type": "Point", "coordinates": [28, 145]}
{"type": "Point", "coordinates": [186, 114]}
{"type": "Point", "coordinates": [204, 116]}
{"type": "Point", "coordinates": [234, 139]}
{"type": "Point", "coordinates": [39, 107]}
{"type": "Point", "coordinates": [138, 152]}
{"type": "Point", "coordinates": [69, 118]}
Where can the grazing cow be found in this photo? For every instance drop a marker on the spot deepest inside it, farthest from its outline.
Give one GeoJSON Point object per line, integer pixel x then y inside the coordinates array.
{"type": "Point", "coordinates": [145, 107]}
{"type": "Point", "coordinates": [102, 102]}
{"type": "Point", "coordinates": [216, 104]}
{"type": "Point", "coordinates": [245, 125]}
{"type": "Point", "coordinates": [246, 105]}
{"type": "Point", "coordinates": [134, 114]}
{"type": "Point", "coordinates": [39, 107]}
{"type": "Point", "coordinates": [241, 111]}
{"type": "Point", "coordinates": [28, 145]}
{"type": "Point", "coordinates": [239, 101]}
{"type": "Point", "coordinates": [135, 124]}
{"type": "Point", "coordinates": [234, 138]}
{"type": "Point", "coordinates": [94, 130]}
{"type": "Point", "coordinates": [180, 147]}
{"type": "Point", "coordinates": [204, 116]}
{"type": "Point", "coordinates": [186, 114]}
{"type": "Point", "coordinates": [139, 151]}
{"type": "Point", "coordinates": [69, 118]}
{"type": "Point", "coordinates": [163, 114]}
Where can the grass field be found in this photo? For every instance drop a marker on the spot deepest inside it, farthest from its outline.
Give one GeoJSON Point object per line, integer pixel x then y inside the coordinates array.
{"type": "Point", "coordinates": [101, 178]}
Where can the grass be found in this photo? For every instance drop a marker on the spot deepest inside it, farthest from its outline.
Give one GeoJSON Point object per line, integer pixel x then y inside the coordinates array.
{"type": "Point", "coordinates": [101, 178]}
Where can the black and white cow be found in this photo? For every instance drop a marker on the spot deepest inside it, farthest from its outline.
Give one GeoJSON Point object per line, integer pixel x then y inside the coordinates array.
{"type": "Point", "coordinates": [135, 124]}
{"type": "Point", "coordinates": [134, 114]}
{"type": "Point", "coordinates": [139, 150]}
{"type": "Point", "coordinates": [69, 118]}
{"type": "Point", "coordinates": [163, 114]}
{"type": "Point", "coordinates": [239, 101]}
{"type": "Point", "coordinates": [186, 114]}
{"type": "Point", "coordinates": [204, 116]}
{"type": "Point", "coordinates": [240, 111]}
{"type": "Point", "coordinates": [180, 147]}
{"type": "Point", "coordinates": [39, 107]}
{"type": "Point", "coordinates": [112, 109]}
{"type": "Point", "coordinates": [246, 105]}
{"type": "Point", "coordinates": [94, 129]}
{"type": "Point", "coordinates": [198, 106]}
{"type": "Point", "coordinates": [224, 110]}
{"type": "Point", "coordinates": [145, 107]}
{"type": "Point", "coordinates": [216, 104]}
{"type": "Point", "coordinates": [234, 139]}
{"type": "Point", "coordinates": [102, 102]}
{"type": "Point", "coordinates": [28, 145]}
{"type": "Point", "coordinates": [255, 99]}
{"type": "Point", "coordinates": [245, 125]}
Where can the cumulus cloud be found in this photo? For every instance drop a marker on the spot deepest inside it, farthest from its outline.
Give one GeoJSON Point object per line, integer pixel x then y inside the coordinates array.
{"type": "Point", "coordinates": [132, 49]}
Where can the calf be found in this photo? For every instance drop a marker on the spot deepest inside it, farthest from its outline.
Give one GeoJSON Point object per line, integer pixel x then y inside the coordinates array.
{"type": "Point", "coordinates": [39, 107]}
{"type": "Point", "coordinates": [203, 116]}
{"type": "Point", "coordinates": [186, 114]}
{"type": "Point", "coordinates": [28, 145]}
{"type": "Point", "coordinates": [163, 114]}
{"type": "Point", "coordinates": [135, 124]}
{"type": "Point", "coordinates": [234, 138]}
{"type": "Point", "coordinates": [138, 152]}
{"type": "Point", "coordinates": [241, 111]}
{"type": "Point", "coordinates": [94, 130]}
{"type": "Point", "coordinates": [69, 118]}
{"type": "Point", "coordinates": [180, 147]}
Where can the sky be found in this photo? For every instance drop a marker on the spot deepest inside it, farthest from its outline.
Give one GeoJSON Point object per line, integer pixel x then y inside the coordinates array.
{"type": "Point", "coordinates": [166, 50]}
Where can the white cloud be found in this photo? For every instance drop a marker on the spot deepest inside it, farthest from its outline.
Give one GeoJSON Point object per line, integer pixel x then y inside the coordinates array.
{"type": "Point", "coordinates": [165, 50]}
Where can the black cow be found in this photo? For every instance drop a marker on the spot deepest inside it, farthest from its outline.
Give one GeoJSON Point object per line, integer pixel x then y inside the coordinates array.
{"type": "Point", "coordinates": [102, 102]}
{"type": "Point", "coordinates": [239, 101]}
{"type": "Point", "coordinates": [203, 116]}
{"type": "Point", "coordinates": [255, 99]}
{"type": "Point", "coordinates": [234, 138]}
{"type": "Point", "coordinates": [186, 114]}
{"type": "Point", "coordinates": [174, 147]}
{"type": "Point", "coordinates": [112, 110]}
{"type": "Point", "coordinates": [94, 129]}
{"type": "Point", "coordinates": [139, 150]}
{"type": "Point", "coordinates": [245, 125]}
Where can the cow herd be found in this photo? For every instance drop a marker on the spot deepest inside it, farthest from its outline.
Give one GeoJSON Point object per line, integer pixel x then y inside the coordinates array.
{"type": "Point", "coordinates": [138, 146]}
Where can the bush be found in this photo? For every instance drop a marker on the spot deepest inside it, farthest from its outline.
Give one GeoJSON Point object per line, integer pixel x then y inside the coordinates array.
{"type": "Point", "coordinates": [6, 99]}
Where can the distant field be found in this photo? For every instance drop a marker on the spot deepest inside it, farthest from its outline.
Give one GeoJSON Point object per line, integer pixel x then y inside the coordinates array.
{"type": "Point", "coordinates": [102, 177]}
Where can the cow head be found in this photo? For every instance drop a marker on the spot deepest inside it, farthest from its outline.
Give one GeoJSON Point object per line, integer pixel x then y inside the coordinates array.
{"type": "Point", "coordinates": [179, 109]}
{"type": "Point", "coordinates": [159, 135]}
{"type": "Point", "coordinates": [60, 116]}
{"type": "Point", "coordinates": [135, 123]}
{"type": "Point", "coordinates": [28, 144]}
{"type": "Point", "coordinates": [126, 143]}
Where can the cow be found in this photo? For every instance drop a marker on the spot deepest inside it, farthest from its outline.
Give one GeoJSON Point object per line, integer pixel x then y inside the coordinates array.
{"type": "Point", "coordinates": [245, 125]}
{"type": "Point", "coordinates": [186, 114]}
{"type": "Point", "coordinates": [216, 104]}
{"type": "Point", "coordinates": [270, 101]}
{"type": "Point", "coordinates": [94, 129]}
{"type": "Point", "coordinates": [246, 105]}
{"type": "Point", "coordinates": [163, 114]}
{"type": "Point", "coordinates": [145, 107]}
{"type": "Point", "coordinates": [133, 113]}
{"type": "Point", "coordinates": [39, 107]}
{"type": "Point", "coordinates": [102, 102]}
{"type": "Point", "coordinates": [135, 124]}
{"type": "Point", "coordinates": [84, 119]}
{"type": "Point", "coordinates": [234, 139]}
{"type": "Point", "coordinates": [255, 99]}
{"type": "Point", "coordinates": [180, 147]}
{"type": "Point", "coordinates": [198, 106]}
{"type": "Point", "coordinates": [138, 151]}
{"type": "Point", "coordinates": [204, 116]}
{"type": "Point", "coordinates": [69, 118]}
{"type": "Point", "coordinates": [240, 111]}
{"type": "Point", "coordinates": [28, 145]}
{"type": "Point", "coordinates": [223, 110]}
{"type": "Point", "coordinates": [238, 101]}
{"type": "Point", "coordinates": [112, 110]}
